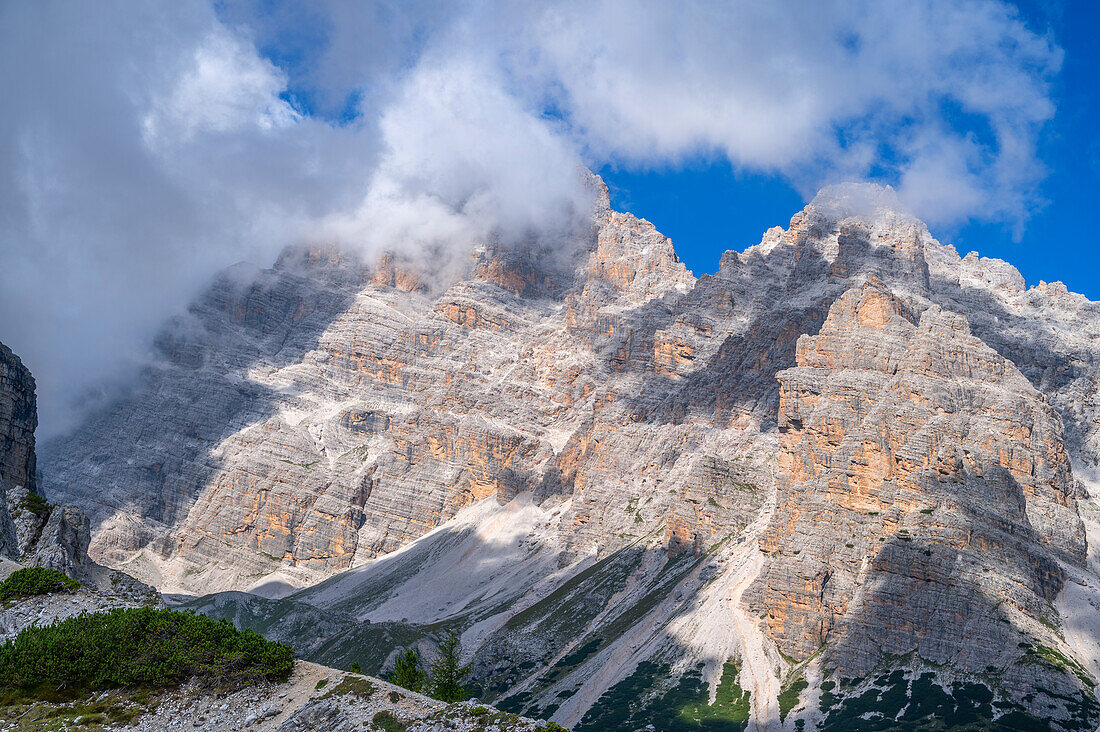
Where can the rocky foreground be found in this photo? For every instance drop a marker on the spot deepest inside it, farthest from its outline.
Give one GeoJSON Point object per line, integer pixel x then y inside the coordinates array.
{"type": "Point", "coordinates": [314, 698]}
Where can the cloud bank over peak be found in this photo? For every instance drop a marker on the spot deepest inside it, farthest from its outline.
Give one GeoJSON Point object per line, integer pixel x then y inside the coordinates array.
{"type": "Point", "coordinates": [145, 146]}
{"type": "Point", "coordinates": [943, 99]}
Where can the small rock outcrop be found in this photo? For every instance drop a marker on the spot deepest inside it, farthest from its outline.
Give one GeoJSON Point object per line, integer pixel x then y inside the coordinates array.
{"type": "Point", "coordinates": [62, 543]}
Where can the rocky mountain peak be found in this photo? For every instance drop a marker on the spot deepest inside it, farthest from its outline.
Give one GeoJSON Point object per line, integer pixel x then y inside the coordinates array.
{"type": "Point", "coordinates": [912, 452]}
{"type": "Point", "coordinates": [849, 442]}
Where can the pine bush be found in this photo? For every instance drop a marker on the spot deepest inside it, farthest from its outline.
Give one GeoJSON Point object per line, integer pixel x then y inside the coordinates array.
{"type": "Point", "coordinates": [140, 647]}
{"type": "Point", "coordinates": [35, 581]}
{"type": "Point", "coordinates": [407, 673]}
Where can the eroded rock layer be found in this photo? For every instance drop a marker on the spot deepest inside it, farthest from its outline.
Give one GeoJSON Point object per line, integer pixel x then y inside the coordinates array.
{"type": "Point", "coordinates": [923, 488]}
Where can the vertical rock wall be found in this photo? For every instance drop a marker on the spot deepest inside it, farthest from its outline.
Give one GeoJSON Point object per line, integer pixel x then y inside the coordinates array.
{"type": "Point", "coordinates": [18, 419]}
{"type": "Point", "coordinates": [924, 488]}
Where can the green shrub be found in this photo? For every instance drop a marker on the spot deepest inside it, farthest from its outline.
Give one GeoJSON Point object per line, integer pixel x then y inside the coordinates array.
{"type": "Point", "coordinates": [388, 722]}
{"type": "Point", "coordinates": [352, 685]}
{"type": "Point", "coordinates": [140, 647]}
{"type": "Point", "coordinates": [35, 581]}
{"type": "Point", "coordinates": [37, 505]}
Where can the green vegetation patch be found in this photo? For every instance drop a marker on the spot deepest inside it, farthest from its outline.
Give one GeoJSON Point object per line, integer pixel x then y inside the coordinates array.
{"type": "Point", "coordinates": [891, 702]}
{"type": "Point", "coordinates": [308, 465]}
{"type": "Point", "coordinates": [362, 453]}
{"type": "Point", "coordinates": [684, 707]}
{"type": "Point", "coordinates": [140, 647]}
{"type": "Point", "coordinates": [27, 712]}
{"type": "Point", "coordinates": [731, 704]}
{"type": "Point", "coordinates": [36, 505]}
{"type": "Point", "coordinates": [32, 581]}
{"type": "Point", "coordinates": [388, 722]}
{"type": "Point", "coordinates": [489, 719]}
{"type": "Point", "coordinates": [1051, 619]}
{"type": "Point", "coordinates": [355, 685]}
{"type": "Point", "coordinates": [788, 698]}
{"type": "Point", "coordinates": [1053, 657]}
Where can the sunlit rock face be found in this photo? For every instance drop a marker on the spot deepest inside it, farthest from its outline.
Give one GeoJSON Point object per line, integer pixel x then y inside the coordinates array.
{"type": "Point", "coordinates": [302, 420]}
{"type": "Point", "coordinates": [848, 444]}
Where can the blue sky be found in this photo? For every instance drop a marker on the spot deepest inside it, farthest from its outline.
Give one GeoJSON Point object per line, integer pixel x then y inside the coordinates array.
{"type": "Point", "coordinates": [707, 207]}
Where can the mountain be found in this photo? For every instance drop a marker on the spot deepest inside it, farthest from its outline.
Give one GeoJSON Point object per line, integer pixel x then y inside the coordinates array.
{"type": "Point", "coordinates": [845, 482]}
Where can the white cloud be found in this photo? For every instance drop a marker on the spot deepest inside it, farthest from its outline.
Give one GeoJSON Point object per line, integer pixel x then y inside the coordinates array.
{"type": "Point", "coordinates": [228, 87]}
{"type": "Point", "coordinates": [818, 91]}
{"type": "Point", "coordinates": [144, 146]}
{"type": "Point", "coordinates": [463, 161]}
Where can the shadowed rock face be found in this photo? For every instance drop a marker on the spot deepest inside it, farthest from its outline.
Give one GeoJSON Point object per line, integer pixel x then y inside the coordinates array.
{"type": "Point", "coordinates": [848, 437]}
{"type": "Point", "coordinates": [18, 419]}
{"type": "Point", "coordinates": [922, 482]}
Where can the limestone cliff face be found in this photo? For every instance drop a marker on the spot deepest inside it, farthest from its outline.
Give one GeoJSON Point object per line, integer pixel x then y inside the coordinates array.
{"type": "Point", "coordinates": [923, 486]}
{"type": "Point", "coordinates": [848, 437]}
{"type": "Point", "coordinates": [306, 419]}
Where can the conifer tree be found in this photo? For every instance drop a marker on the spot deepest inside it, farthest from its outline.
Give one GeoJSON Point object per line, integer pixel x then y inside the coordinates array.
{"type": "Point", "coordinates": [447, 675]}
{"type": "Point", "coordinates": [407, 673]}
